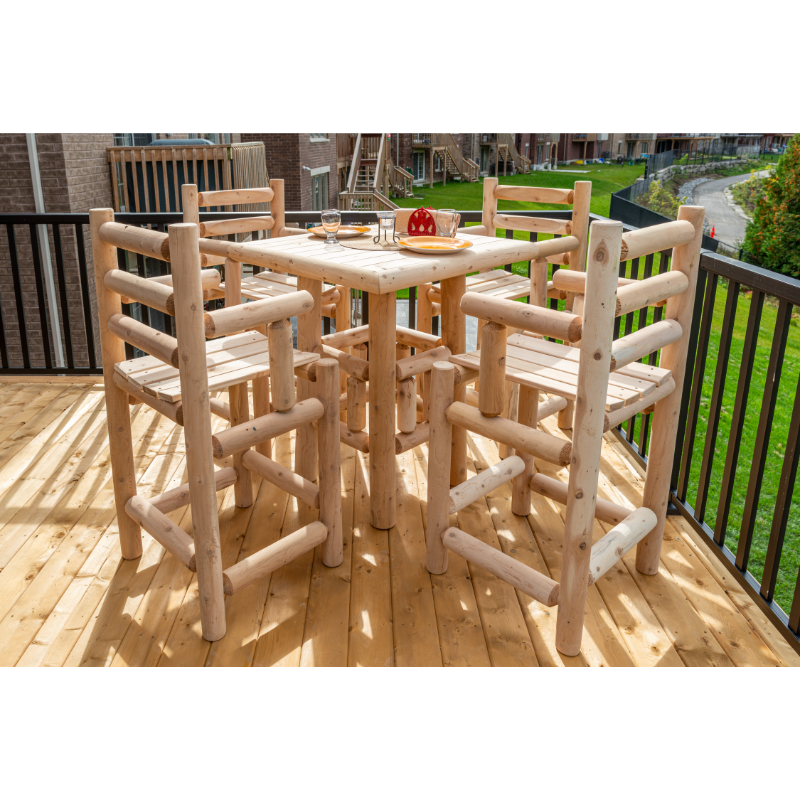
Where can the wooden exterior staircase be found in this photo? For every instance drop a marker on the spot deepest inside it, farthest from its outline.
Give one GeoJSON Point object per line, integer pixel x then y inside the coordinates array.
{"type": "Point", "coordinates": [370, 180]}
{"type": "Point", "coordinates": [507, 151]}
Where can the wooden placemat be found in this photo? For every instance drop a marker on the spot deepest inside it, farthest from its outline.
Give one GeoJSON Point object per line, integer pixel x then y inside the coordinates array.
{"type": "Point", "coordinates": [365, 243]}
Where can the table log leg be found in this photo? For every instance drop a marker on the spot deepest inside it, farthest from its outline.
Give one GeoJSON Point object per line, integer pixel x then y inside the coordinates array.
{"type": "Point", "coordinates": [454, 336]}
{"type": "Point", "coordinates": [382, 313]}
{"type": "Point", "coordinates": [309, 335]}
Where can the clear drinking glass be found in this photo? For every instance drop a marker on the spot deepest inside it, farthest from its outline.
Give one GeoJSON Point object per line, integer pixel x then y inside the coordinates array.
{"type": "Point", "coordinates": [447, 222]}
{"type": "Point", "coordinates": [386, 222]}
{"type": "Point", "coordinates": [331, 220]}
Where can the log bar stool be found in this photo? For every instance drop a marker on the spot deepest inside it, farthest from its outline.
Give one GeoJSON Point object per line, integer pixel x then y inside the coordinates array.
{"type": "Point", "coordinates": [335, 300]}
{"type": "Point", "coordinates": [175, 378]}
{"type": "Point", "coordinates": [608, 386]}
{"type": "Point", "coordinates": [509, 286]}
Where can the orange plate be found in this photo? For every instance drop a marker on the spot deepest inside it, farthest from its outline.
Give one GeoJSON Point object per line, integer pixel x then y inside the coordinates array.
{"type": "Point", "coordinates": [438, 245]}
{"type": "Point", "coordinates": [344, 232]}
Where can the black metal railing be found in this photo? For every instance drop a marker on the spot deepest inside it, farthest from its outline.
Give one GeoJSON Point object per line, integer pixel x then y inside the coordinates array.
{"type": "Point", "coordinates": [742, 378]}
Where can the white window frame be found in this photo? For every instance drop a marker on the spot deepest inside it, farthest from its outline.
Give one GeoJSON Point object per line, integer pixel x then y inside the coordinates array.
{"type": "Point", "coordinates": [418, 155]}
{"type": "Point", "coordinates": [319, 137]}
{"type": "Point", "coordinates": [317, 172]}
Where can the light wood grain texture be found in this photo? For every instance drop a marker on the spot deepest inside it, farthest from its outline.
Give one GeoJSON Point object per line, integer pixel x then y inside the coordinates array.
{"type": "Point", "coordinates": [172, 410]}
{"type": "Point", "coordinates": [545, 321]}
{"type": "Point", "coordinates": [308, 338]}
{"type": "Point", "coordinates": [421, 362]}
{"type": "Point", "coordinates": [650, 292]}
{"type": "Point", "coordinates": [356, 404]}
{"type": "Point", "coordinates": [237, 318]}
{"type": "Point", "coordinates": [281, 365]}
{"type": "Point", "coordinates": [131, 237]}
{"type": "Point", "coordinates": [234, 440]}
{"type": "Point", "coordinates": [382, 311]}
{"type": "Point", "coordinates": [532, 583]}
{"type": "Point", "coordinates": [656, 238]}
{"type": "Point", "coordinates": [197, 424]}
{"type": "Point", "coordinates": [439, 454]}
{"type": "Point", "coordinates": [454, 337]}
{"type": "Point", "coordinates": [407, 405]}
{"type": "Point", "coordinates": [528, 416]}
{"type": "Point", "coordinates": [641, 343]}
{"type": "Point", "coordinates": [330, 498]}
{"type": "Point", "coordinates": [118, 413]}
{"type": "Point", "coordinates": [619, 540]}
{"type": "Point", "coordinates": [534, 194]}
{"type": "Point", "coordinates": [595, 362]}
{"type": "Point", "coordinates": [163, 530]}
{"type": "Point", "coordinates": [282, 477]}
{"type": "Point", "coordinates": [536, 443]}
{"type": "Point", "coordinates": [132, 288]}
{"type": "Point", "coordinates": [492, 390]}
{"type": "Point", "coordinates": [155, 343]}
{"type": "Point", "coordinates": [271, 558]}
{"type": "Point", "coordinates": [240, 415]}
{"type": "Point", "coordinates": [484, 482]}
{"type": "Point", "coordinates": [664, 425]}
{"type": "Point", "coordinates": [180, 496]}
{"type": "Point", "coordinates": [557, 490]}
{"type": "Point", "coordinates": [235, 197]}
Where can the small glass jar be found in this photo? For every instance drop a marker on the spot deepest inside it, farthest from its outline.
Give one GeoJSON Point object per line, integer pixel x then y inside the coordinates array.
{"type": "Point", "coordinates": [386, 224]}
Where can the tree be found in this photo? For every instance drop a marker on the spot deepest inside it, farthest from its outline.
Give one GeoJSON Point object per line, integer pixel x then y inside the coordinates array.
{"type": "Point", "coordinates": [773, 235]}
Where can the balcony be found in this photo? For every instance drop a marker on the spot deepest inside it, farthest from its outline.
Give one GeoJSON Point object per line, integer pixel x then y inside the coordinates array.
{"type": "Point", "coordinates": [68, 599]}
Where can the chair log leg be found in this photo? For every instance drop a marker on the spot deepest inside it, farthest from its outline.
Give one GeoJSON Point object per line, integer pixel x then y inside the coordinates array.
{"type": "Point", "coordinates": [587, 440]}
{"type": "Point", "coordinates": [439, 449]}
{"type": "Point", "coordinates": [686, 259]}
{"type": "Point", "coordinates": [521, 487]}
{"type": "Point", "coordinates": [240, 412]}
{"type": "Point", "coordinates": [309, 335]}
{"type": "Point", "coordinates": [330, 492]}
{"type": "Point", "coordinates": [382, 311]}
{"type": "Point", "coordinates": [184, 251]}
{"type": "Point", "coordinates": [454, 336]}
{"type": "Point", "coordinates": [118, 414]}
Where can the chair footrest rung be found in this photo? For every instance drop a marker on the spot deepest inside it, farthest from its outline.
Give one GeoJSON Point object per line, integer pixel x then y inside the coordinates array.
{"type": "Point", "coordinates": [408, 441]}
{"type": "Point", "coordinates": [163, 530]}
{"type": "Point", "coordinates": [604, 510]}
{"type": "Point", "coordinates": [484, 482]}
{"type": "Point", "coordinates": [179, 497]}
{"type": "Point", "coordinates": [282, 477]}
{"type": "Point", "coordinates": [535, 443]}
{"type": "Point", "coordinates": [265, 561]}
{"type": "Point", "coordinates": [522, 577]}
{"type": "Point", "coordinates": [270, 426]}
{"type": "Point", "coordinates": [619, 540]}
{"type": "Point", "coordinates": [358, 440]}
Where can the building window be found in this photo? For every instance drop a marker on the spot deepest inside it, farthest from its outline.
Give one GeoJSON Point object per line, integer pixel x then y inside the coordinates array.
{"type": "Point", "coordinates": [437, 163]}
{"type": "Point", "coordinates": [484, 158]}
{"type": "Point", "coordinates": [133, 139]}
{"type": "Point", "coordinates": [319, 192]}
{"type": "Point", "coordinates": [418, 165]}
{"type": "Point", "coordinates": [619, 148]}
{"type": "Point", "coordinates": [631, 147]}
{"type": "Point", "coordinates": [645, 148]}
{"type": "Point", "coordinates": [214, 138]}
{"type": "Point", "coordinates": [319, 137]}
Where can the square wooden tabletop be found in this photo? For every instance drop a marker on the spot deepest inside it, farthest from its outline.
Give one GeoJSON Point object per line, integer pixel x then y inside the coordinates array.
{"type": "Point", "coordinates": [382, 273]}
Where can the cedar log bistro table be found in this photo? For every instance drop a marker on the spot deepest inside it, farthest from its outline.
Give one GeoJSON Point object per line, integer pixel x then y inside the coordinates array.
{"type": "Point", "coordinates": [382, 275]}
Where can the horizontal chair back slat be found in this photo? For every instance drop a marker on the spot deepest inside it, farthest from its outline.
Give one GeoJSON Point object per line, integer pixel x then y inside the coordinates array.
{"type": "Point", "coordinates": [533, 224]}
{"type": "Point", "coordinates": [544, 321]}
{"type": "Point", "coordinates": [535, 194]}
{"type": "Point", "coordinates": [656, 238]}
{"type": "Point", "coordinates": [223, 227]}
{"type": "Point", "coordinates": [230, 197]}
{"type": "Point", "coordinates": [234, 319]}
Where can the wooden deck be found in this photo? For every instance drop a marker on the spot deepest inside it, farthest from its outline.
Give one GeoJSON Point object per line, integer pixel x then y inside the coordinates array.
{"type": "Point", "coordinates": [68, 599]}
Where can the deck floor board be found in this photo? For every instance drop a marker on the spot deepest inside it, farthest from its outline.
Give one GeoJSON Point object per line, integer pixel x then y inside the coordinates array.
{"type": "Point", "coordinates": [68, 598]}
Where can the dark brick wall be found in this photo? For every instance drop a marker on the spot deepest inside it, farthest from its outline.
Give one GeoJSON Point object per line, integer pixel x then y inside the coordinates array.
{"type": "Point", "coordinates": [287, 154]}
{"type": "Point", "coordinates": [75, 177]}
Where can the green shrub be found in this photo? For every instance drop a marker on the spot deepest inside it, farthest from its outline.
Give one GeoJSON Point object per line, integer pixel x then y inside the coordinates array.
{"type": "Point", "coordinates": [659, 199]}
{"type": "Point", "coordinates": [773, 237]}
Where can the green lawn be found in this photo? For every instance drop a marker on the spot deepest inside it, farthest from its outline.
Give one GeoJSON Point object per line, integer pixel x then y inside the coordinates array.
{"type": "Point", "coordinates": [607, 179]}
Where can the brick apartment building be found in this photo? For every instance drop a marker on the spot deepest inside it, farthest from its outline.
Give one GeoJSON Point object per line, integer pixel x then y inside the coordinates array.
{"type": "Point", "coordinates": [74, 175]}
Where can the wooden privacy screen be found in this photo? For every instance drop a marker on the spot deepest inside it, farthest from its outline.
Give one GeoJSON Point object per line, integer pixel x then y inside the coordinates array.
{"type": "Point", "coordinates": [150, 178]}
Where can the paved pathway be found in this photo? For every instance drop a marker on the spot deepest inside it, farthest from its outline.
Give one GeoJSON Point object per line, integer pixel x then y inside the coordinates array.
{"type": "Point", "coordinates": [730, 225]}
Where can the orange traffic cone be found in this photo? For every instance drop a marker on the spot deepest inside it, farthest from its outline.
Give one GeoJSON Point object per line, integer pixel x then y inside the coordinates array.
{"type": "Point", "coordinates": [712, 231]}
